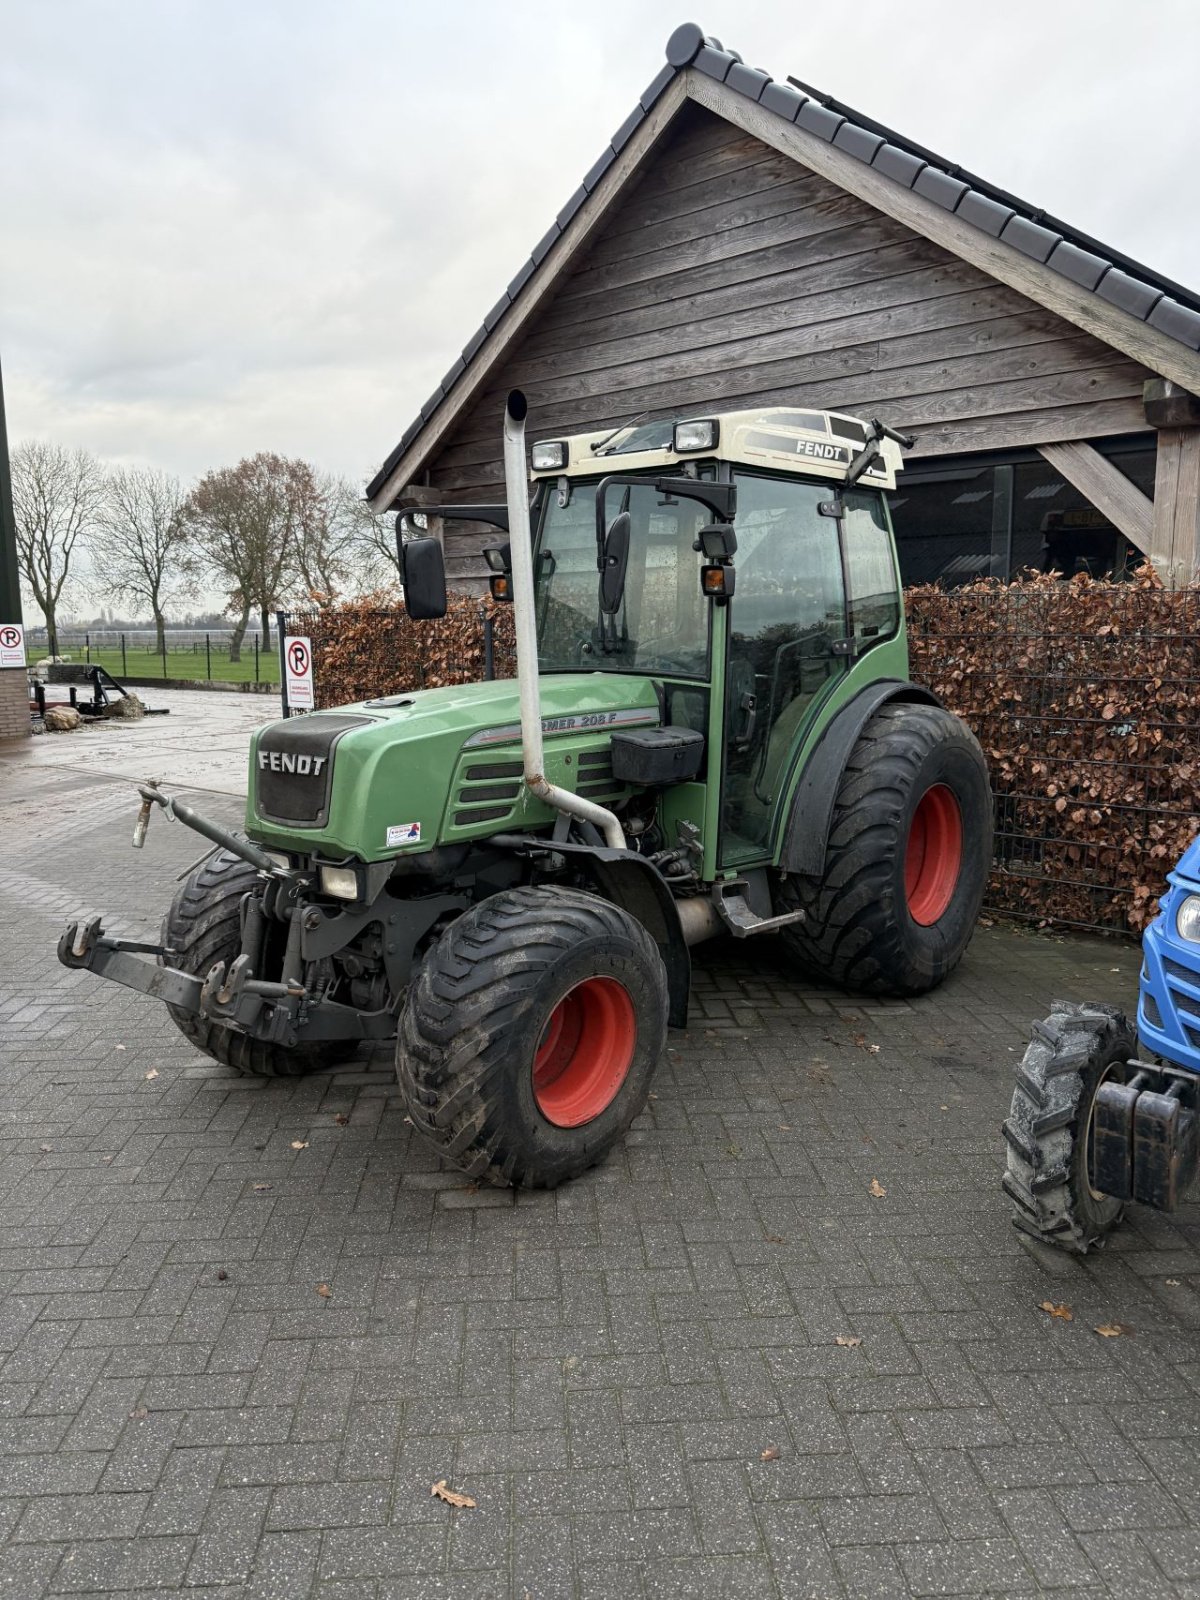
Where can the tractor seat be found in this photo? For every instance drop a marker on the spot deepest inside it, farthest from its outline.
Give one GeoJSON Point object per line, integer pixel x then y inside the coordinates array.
{"type": "Point", "coordinates": [653, 756]}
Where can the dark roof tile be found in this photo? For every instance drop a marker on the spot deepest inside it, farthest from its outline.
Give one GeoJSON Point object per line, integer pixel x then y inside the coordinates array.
{"type": "Point", "coordinates": [1030, 238]}
{"type": "Point", "coordinates": [655, 87]}
{"type": "Point", "coordinates": [783, 100]}
{"type": "Point", "coordinates": [599, 167]}
{"type": "Point", "coordinates": [528, 268]}
{"type": "Point", "coordinates": [628, 128]}
{"type": "Point", "coordinates": [750, 81]}
{"type": "Point", "coordinates": [1081, 266]}
{"type": "Point", "coordinates": [1176, 321]}
{"type": "Point", "coordinates": [712, 61]}
{"type": "Point", "coordinates": [452, 376]}
{"type": "Point", "coordinates": [983, 213]}
{"type": "Point", "coordinates": [857, 141]}
{"type": "Point", "coordinates": [899, 165]}
{"type": "Point", "coordinates": [572, 206]}
{"type": "Point", "coordinates": [939, 187]}
{"type": "Point", "coordinates": [473, 343]}
{"type": "Point", "coordinates": [543, 247]}
{"type": "Point", "coordinates": [431, 405]}
{"type": "Point", "coordinates": [1120, 290]}
{"type": "Point", "coordinates": [497, 311]}
{"type": "Point", "coordinates": [683, 44]}
{"type": "Point", "coordinates": [817, 119]}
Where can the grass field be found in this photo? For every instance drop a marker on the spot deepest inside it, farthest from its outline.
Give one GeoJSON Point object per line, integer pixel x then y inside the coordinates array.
{"type": "Point", "coordinates": [143, 663]}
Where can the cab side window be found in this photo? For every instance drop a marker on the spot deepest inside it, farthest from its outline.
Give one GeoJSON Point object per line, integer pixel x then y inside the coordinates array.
{"type": "Point", "coordinates": [874, 597]}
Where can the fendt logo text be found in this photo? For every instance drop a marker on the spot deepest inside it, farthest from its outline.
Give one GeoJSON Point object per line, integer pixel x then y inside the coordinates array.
{"type": "Point", "coordinates": [288, 761]}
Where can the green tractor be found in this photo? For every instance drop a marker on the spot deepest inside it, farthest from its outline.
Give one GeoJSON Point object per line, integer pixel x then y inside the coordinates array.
{"type": "Point", "coordinates": [712, 732]}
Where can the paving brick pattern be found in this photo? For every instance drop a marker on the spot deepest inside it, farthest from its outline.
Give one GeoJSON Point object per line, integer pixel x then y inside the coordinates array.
{"type": "Point", "coordinates": [638, 1378]}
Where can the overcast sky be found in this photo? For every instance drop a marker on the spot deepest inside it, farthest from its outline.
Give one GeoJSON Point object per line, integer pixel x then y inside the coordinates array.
{"type": "Point", "coordinates": [236, 225]}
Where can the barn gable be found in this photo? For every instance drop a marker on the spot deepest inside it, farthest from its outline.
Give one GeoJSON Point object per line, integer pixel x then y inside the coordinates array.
{"type": "Point", "coordinates": [727, 254]}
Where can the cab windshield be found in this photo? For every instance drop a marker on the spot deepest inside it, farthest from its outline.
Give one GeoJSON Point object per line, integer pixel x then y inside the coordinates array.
{"type": "Point", "coordinates": [662, 625]}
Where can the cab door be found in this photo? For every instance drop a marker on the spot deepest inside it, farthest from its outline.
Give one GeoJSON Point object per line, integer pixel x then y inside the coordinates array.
{"type": "Point", "coordinates": [787, 632]}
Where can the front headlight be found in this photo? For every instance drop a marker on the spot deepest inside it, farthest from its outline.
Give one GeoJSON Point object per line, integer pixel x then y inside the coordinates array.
{"type": "Point", "coordinates": [340, 882]}
{"type": "Point", "coordinates": [1187, 919]}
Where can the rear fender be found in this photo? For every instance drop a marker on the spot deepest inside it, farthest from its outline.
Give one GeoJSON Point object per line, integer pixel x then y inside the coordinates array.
{"type": "Point", "coordinates": [811, 815]}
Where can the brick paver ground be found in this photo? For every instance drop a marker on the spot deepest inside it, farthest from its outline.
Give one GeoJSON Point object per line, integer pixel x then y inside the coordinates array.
{"type": "Point", "coordinates": [638, 1378]}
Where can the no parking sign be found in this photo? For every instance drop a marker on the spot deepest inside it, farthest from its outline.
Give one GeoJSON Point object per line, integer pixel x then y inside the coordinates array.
{"type": "Point", "coordinates": [298, 673]}
{"type": "Point", "coordinates": [12, 645]}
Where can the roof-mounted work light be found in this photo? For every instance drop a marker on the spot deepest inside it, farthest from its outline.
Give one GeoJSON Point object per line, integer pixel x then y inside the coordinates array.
{"type": "Point", "coordinates": [549, 456]}
{"type": "Point", "coordinates": [688, 437]}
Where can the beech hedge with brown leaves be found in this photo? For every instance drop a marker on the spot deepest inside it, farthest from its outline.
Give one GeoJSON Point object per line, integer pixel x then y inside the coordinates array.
{"type": "Point", "coordinates": [1086, 698]}
{"type": "Point", "coordinates": [370, 646]}
{"type": "Point", "coordinates": [1084, 695]}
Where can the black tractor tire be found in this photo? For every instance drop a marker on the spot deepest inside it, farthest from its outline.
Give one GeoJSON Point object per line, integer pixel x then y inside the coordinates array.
{"type": "Point", "coordinates": [916, 774]}
{"type": "Point", "coordinates": [1048, 1181]}
{"type": "Point", "coordinates": [203, 927]}
{"type": "Point", "coordinates": [548, 981]}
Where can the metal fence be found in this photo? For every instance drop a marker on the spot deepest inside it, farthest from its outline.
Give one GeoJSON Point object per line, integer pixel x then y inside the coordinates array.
{"type": "Point", "coordinates": [196, 654]}
{"type": "Point", "coordinates": [1086, 699]}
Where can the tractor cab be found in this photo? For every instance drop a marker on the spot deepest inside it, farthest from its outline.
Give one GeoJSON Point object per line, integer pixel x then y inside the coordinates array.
{"type": "Point", "coordinates": [750, 565]}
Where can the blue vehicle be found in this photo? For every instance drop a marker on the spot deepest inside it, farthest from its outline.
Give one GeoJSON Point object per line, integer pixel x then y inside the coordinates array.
{"type": "Point", "coordinates": [1104, 1113]}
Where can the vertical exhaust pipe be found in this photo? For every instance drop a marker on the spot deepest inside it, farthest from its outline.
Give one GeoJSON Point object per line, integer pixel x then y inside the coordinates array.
{"type": "Point", "coordinates": [516, 482]}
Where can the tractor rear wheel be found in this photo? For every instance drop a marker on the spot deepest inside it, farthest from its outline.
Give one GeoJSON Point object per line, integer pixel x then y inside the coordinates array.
{"type": "Point", "coordinates": [204, 926]}
{"type": "Point", "coordinates": [1049, 1126]}
{"type": "Point", "coordinates": [530, 1035]}
{"type": "Point", "coordinates": [906, 862]}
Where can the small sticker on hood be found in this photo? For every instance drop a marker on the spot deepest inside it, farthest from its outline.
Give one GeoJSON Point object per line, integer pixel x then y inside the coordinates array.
{"type": "Point", "coordinates": [404, 833]}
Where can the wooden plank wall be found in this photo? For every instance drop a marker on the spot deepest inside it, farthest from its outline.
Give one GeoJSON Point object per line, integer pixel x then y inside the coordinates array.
{"type": "Point", "coordinates": [731, 276]}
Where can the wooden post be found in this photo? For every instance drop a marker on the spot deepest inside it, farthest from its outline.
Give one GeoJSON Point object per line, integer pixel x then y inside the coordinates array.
{"type": "Point", "coordinates": [1176, 540]}
{"type": "Point", "coordinates": [1176, 550]}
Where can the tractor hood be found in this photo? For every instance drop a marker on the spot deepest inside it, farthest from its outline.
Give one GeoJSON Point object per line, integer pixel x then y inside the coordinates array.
{"type": "Point", "coordinates": [406, 772]}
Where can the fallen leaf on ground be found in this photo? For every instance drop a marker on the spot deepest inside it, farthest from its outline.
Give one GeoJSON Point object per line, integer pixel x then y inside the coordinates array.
{"type": "Point", "coordinates": [118, 1047]}
{"type": "Point", "coordinates": [47, 1149]}
{"type": "Point", "coordinates": [849, 1340]}
{"type": "Point", "coordinates": [1113, 1330]}
{"type": "Point", "coordinates": [139, 1413]}
{"type": "Point", "coordinates": [877, 1189]}
{"type": "Point", "coordinates": [341, 1119]}
{"type": "Point", "coordinates": [785, 1127]}
{"type": "Point", "coordinates": [222, 1275]}
{"type": "Point", "coordinates": [774, 1238]}
{"type": "Point", "coordinates": [450, 1496]}
{"type": "Point", "coordinates": [324, 1291]}
{"type": "Point", "coordinates": [153, 1073]}
{"type": "Point", "coordinates": [1171, 1283]}
{"type": "Point", "coordinates": [299, 1144]}
{"type": "Point", "coordinates": [1061, 1310]}
{"type": "Point", "coordinates": [769, 1454]}
{"type": "Point", "coordinates": [261, 1188]}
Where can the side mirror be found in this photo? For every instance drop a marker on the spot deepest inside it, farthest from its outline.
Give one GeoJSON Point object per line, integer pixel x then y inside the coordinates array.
{"type": "Point", "coordinates": [499, 560]}
{"type": "Point", "coordinates": [423, 574]}
{"type": "Point", "coordinates": [614, 563]}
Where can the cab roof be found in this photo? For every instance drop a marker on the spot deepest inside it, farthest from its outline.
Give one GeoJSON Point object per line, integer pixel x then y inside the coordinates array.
{"type": "Point", "coordinates": [776, 438]}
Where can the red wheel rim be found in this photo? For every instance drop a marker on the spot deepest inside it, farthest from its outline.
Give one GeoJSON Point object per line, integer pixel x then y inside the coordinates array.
{"type": "Point", "coordinates": [933, 858]}
{"type": "Point", "coordinates": [585, 1052]}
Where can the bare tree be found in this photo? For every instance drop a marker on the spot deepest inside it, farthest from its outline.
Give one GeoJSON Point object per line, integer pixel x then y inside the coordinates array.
{"type": "Point", "coordinates": [142, 546]}
{"type": "Point", "coordinates": [372, 541]}
{"type": "Point", "coordinates": [242, 520]}
{"type": "Point", "coordinates": [56, 498]}
{"type": "Point", "coordinates": [323, 534]}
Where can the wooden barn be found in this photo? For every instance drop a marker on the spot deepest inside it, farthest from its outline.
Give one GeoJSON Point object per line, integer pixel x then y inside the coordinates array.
{"type": "Point", "coordinates": [742, 240]}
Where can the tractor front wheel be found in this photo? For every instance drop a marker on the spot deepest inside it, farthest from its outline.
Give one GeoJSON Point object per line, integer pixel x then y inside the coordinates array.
{"type": "Point", "coordinates": [204, 926]}
{"type": "Point", "coordinates": [530, 1035]}
{"type": "Point", "coordinates": [907, 858]}
{"type": "Point", "coordinates": [1049, 1127]}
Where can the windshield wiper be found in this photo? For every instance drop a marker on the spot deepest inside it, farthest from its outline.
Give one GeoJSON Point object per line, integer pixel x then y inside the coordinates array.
{"type": "Point", "coordinates": [624, 428]}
